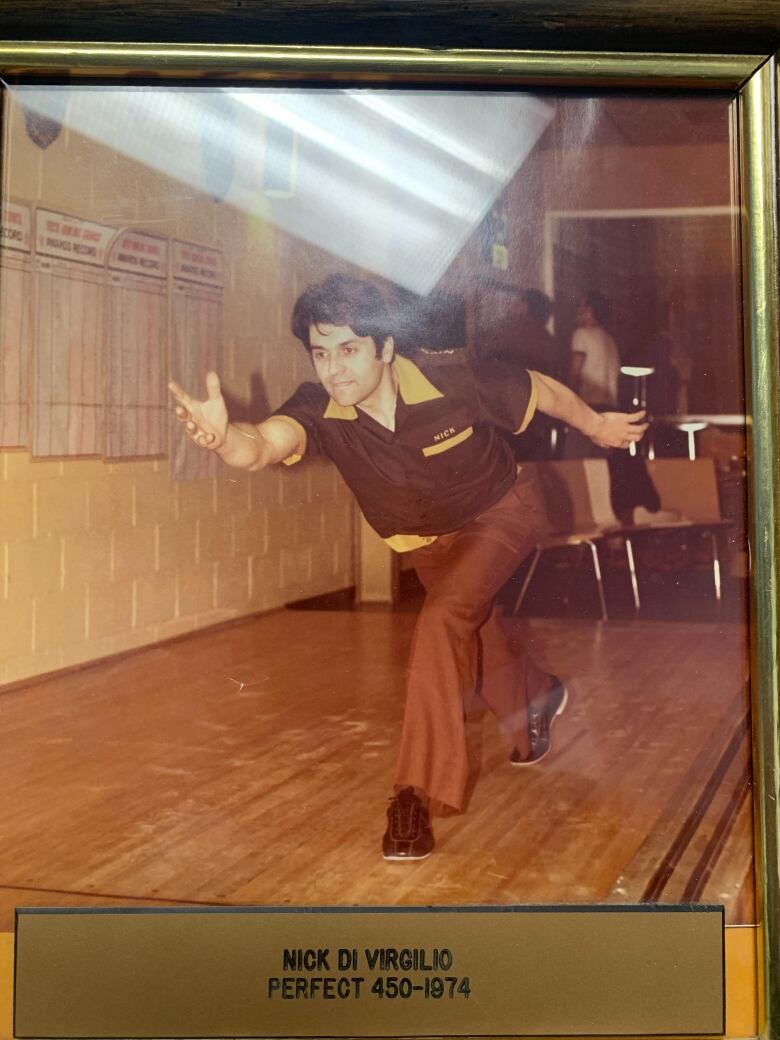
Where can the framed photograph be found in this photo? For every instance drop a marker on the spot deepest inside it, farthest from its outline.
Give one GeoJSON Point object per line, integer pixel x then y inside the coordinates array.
{"type": "Point", "coordinates": [388, 449]}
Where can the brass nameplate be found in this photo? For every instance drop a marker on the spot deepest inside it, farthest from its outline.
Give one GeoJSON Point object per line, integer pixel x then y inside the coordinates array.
{"type": "Point", "coordinates": [416, 972]}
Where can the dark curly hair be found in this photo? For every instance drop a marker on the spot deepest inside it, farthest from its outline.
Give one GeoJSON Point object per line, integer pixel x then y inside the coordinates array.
{"type": "Point", "coordinates": [342, 300]}
{"type": "Point", "coordinates": [599, 305]}
{"type": "Point", "coordinates": [539, 305]}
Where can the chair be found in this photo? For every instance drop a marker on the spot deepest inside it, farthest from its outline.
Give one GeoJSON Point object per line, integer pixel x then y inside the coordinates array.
{"type": "Point", "coordinates": [576, 494]}
{"type": "Point", "coordinates": [688, 488]}
{"type": "Point", "coordinates": [579, 513]}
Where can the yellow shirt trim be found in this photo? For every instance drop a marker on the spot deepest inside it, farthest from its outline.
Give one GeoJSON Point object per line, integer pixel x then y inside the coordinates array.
{"type": "Point", "coordinates": [300, 430]}
{"type": "Point", "coordinates": [436, 449]}
{"type": "Point", "coordinates": [335, 410]}
{"type": "Point", "coordinates": [413, 386]}
{"type": "Point", "coordinates": [407, 542]}
{"type": "Point", "coordinates": [532, 401]}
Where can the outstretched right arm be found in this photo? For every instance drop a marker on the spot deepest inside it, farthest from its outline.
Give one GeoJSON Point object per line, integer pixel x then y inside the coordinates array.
{"type": "Point", "coordinates": [243, 445]}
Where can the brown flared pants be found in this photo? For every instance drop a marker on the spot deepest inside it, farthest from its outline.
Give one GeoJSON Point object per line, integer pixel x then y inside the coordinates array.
{"type": "Point", "coordinates": [461, 649]}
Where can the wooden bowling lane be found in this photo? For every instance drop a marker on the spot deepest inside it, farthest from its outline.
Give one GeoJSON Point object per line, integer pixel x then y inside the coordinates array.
{"type": "Point", "coordinates": [252, 765]}
{"type": "Point", "coordinates": [702, 826]}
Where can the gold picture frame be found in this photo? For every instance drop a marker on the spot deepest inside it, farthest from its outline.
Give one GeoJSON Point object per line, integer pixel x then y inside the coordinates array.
{"type": "Point", "coordinates": [753, 79]}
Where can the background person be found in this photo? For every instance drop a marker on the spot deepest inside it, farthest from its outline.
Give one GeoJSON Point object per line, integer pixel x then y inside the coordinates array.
{"type": "Point", "coordinates": [523, 336]}
{"type": "Point", "coordinates": [595, 359]}
{"type": "Point", "coordinates": [594, 367]}
{"type": "Point", "coordinates": [526, 341]}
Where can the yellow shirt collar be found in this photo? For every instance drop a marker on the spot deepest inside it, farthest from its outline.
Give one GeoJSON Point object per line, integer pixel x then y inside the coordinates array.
{"type": "Point", "coordinates": [413, 386]}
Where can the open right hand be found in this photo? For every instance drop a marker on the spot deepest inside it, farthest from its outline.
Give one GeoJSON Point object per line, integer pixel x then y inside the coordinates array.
{"type": "Point", "coordinates": [206, 422]}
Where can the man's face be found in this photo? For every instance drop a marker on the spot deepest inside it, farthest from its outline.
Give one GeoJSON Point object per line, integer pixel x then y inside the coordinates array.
{"type": "Point", "coordinates": [346, 364]}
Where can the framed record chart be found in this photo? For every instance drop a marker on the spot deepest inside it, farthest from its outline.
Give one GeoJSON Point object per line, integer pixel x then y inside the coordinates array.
{"type": "Point", "coordinates": [70, 314]}
{"type": "Point", "coordinates": [16, 322]}
{"type": "Point", "coordinates": [137, 337]}
{"type": "Point", "coordinates": [204, 664]}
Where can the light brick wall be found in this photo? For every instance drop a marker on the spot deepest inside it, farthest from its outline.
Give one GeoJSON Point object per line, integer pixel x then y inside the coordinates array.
{"type": "Point", "coordinates": [98, 558]}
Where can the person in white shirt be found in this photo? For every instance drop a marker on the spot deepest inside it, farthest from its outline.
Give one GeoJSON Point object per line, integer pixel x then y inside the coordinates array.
{"type": "Point", "coordinates": [595, 361]}
{"type": "Point", "coordinates": [594, 375]}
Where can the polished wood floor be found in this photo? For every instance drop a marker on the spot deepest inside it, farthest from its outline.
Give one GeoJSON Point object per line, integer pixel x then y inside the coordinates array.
{"type": "Point", "coordinates": [252, 765]}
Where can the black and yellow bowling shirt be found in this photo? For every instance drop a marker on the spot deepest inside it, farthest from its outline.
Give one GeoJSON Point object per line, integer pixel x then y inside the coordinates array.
{"type": "Point", "coordinates": [444, 463]}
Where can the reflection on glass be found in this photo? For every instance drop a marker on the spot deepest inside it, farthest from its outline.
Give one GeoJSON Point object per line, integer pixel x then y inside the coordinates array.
{"type": "Point", "coordinates": [153, 234]}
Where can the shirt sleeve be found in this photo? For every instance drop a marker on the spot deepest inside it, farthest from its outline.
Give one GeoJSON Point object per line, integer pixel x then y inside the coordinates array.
{"type": "Point", "coordinates": [506, 395]}
{"type": "Point", "coordinates": [303, 410]}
